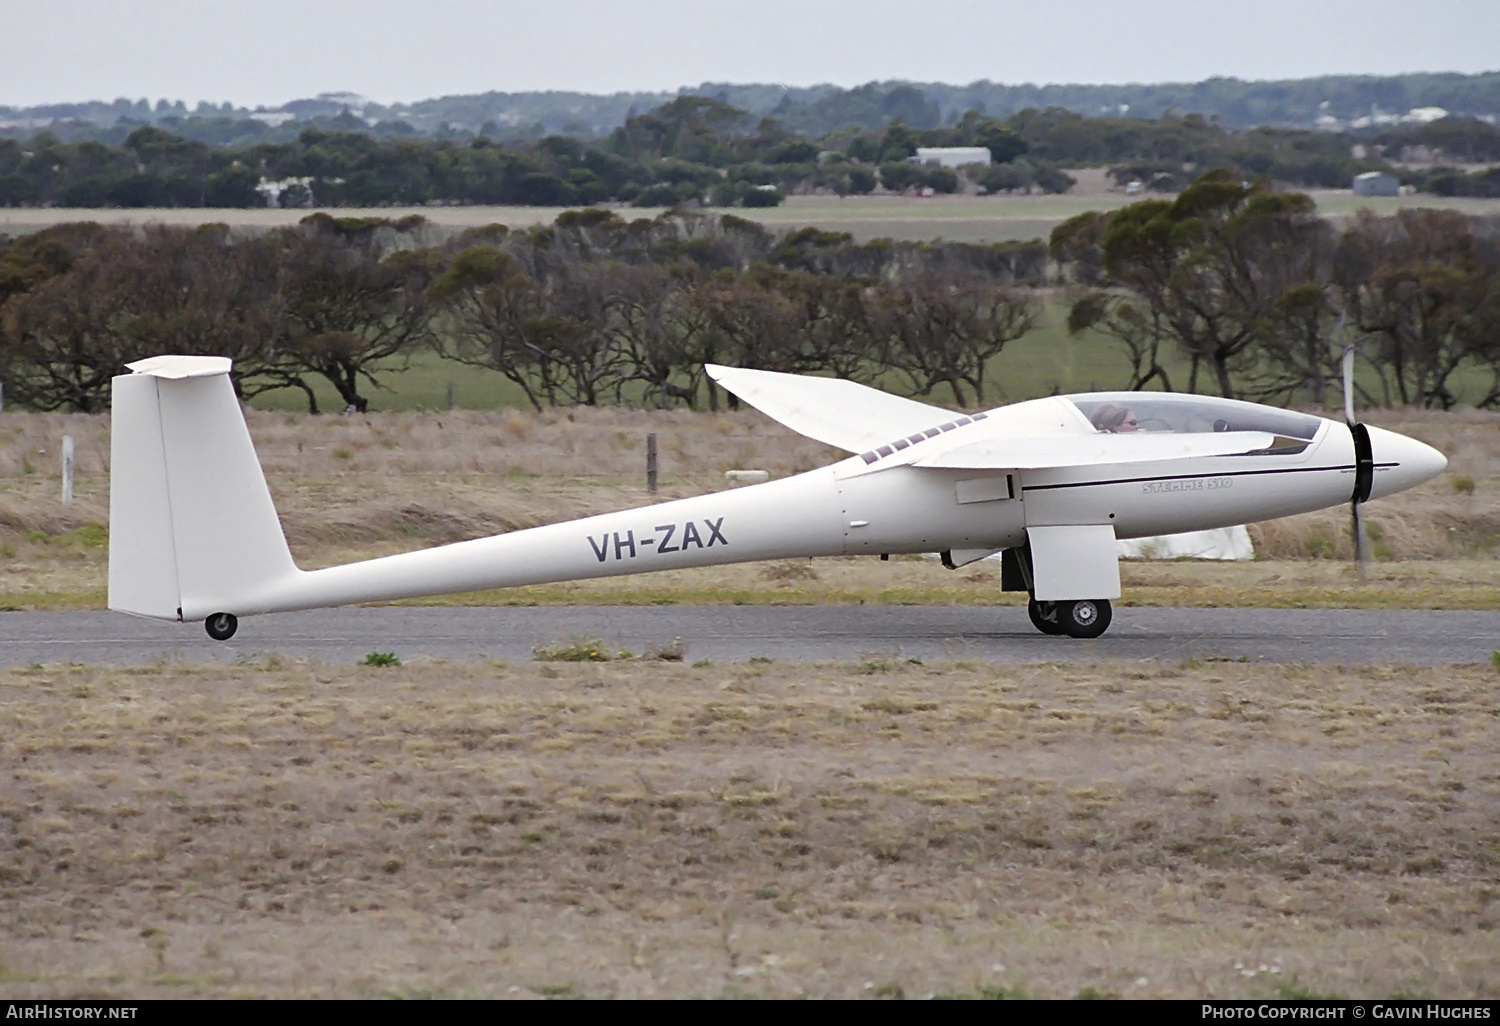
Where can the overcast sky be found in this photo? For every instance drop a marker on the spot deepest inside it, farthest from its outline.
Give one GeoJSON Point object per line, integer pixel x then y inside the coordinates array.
{"type": "Point", "coordinates": [271, 51]}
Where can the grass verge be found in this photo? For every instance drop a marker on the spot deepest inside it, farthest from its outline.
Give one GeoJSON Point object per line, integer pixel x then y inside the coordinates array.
{"type": "Point", "coordinates": [647, 828]}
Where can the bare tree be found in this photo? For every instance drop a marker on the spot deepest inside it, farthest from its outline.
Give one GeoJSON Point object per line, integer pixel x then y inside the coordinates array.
{"type": "Point", "coordinates": [1078, 247]}
{"type": "Point", "coordinates": [128, 296]}
{"type": "Point", "coordinates": [937, 332]}
{"type": "Point", "coordinates": [344, 311]}
{"type": "Point", "coordinates": [1138, 328]}
{"type": "Point", "coordinates": [1213, 266]}
{"type": "Point", "coordinates": [573, 336]}
{"type": "Point", "coordinates": [1298, 340]}
{"type": "Point", "coordinates": [834, 330]}
{"type": "Point", "coordinates": [486, 305]}
{"type": "Point", "coordinates": [62, 340]}
{"type": "Point", "coordinates": [748, 323]}
{"type": "Point", "coordinates": [659, 332]}
{"type": "Point", "coordinates": [1421, 287]}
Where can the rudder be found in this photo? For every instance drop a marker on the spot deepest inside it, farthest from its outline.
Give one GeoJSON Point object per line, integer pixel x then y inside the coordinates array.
{"type": "Point", "coordinates": [193, 530]}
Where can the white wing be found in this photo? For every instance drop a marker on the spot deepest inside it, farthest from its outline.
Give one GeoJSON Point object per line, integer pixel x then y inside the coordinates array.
{"type": "Point", "coordinates": [839, 413]}
{"type": "Point", "coordinates": [1038, 453]}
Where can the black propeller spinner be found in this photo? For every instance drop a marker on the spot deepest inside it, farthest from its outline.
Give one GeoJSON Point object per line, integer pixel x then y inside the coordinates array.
{"type": "Point", "coordinates": [1364, 465]}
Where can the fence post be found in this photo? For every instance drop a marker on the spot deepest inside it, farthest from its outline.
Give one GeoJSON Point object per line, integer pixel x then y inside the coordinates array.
{"type": "Point", "coordinates": [2, 397]}
{"type": "Point", "coordinates": [450, 395]}
{"type": "Point", "coordinates": [651, 463]}
{"type": "Point", "coordinates": [67, 454]}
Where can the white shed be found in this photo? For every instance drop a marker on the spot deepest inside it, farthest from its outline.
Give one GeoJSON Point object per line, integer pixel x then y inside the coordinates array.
{"type": "Point", "coordinates": [1376, 183]}
{"type": "Point", "coordinates": [952, 156]}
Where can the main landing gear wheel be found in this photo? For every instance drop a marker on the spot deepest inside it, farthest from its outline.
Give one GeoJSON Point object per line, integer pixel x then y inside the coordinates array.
{"type": "Point", "coordinates": [1045, 616]}
{"type": "Point", "coordinates": [221, 626]}
{"type": "Point", "coordinates": [1085, 618]}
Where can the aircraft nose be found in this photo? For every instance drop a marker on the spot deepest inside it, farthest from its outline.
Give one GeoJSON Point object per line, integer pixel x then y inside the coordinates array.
{"type": "Point", "coordinates": [1401, 462]}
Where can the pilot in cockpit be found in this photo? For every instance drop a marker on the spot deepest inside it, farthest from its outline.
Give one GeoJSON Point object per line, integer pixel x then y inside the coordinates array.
{"type": "Point", "coordinates": [1115, 419]}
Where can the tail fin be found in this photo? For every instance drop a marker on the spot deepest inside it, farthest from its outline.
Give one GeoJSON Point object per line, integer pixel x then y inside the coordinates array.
{"type": "Point", "coordinates": [192, 527]}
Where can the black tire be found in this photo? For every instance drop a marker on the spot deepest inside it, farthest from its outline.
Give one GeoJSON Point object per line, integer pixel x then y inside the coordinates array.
{"type": "Point", "coordinates": [1086, 618]}
{"type": "Point", "coordinates": [1046, 616]}
{"type": "Point", "coordinates": [221, 626]}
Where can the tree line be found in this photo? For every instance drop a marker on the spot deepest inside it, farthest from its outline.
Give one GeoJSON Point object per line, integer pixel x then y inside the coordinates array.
{"type": "Point", "coordinates": [702, 150]}
{"type": "Point", "coordinates": [1232, 288]}
{"type": "Point", "coordinates": [1260, 295]}
{"type": "Point", "coordinates": [693, 150]}
{"type": "Point", "coordinates": [593, 309]}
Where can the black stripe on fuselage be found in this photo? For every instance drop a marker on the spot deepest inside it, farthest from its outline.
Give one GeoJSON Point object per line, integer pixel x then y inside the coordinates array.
{"type": "Point", "coordinates": [1190, 477]}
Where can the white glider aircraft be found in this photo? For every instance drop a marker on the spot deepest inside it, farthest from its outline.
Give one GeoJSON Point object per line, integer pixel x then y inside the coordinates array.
{"type": "Point", "coordinates": [1050, 483]}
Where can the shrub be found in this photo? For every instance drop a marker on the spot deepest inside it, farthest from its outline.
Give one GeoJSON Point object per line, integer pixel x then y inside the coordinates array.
{"type": "Point", "coordinates": [656, 196]}
{"type": "Point", "coordinates": [898, 176]}
{"type": "Point", "coordinates": [579, 650]}
{"type": "Point", "coordinates": [861, 180]}
{"type": "Point", "coordinates": [763, 197]}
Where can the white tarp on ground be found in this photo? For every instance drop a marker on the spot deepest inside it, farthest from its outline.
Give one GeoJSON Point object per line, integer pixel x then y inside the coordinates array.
{"type": "Point", "coordinates": [1225, 543]}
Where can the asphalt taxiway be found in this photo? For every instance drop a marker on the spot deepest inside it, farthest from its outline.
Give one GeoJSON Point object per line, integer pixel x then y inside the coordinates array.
{"type": "Point", "coordinates": [738, 633]}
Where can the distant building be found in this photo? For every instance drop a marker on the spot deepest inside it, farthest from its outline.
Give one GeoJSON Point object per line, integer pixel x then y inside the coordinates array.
{"type": "Point", "coordinates": [1424, 115]}
{"type": "Point", "coordinates": [1376, 183]}
{"type": "Point", "coordinates": [296, 192]}
{"type": "Point", "coordinates": [1416, 116]}
{"type": "Point", "coordinates": [951, 156]}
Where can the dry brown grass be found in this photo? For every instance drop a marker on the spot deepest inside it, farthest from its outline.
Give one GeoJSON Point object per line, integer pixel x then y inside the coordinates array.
{"type": "Point", "coordinates": [1455, 515]}
{"type": "Point", "coordinates": [356, 487]}
{"type": "Point", "coordinates": [631, 829]}
{"type": "Point", "coordinates": [959, 218]}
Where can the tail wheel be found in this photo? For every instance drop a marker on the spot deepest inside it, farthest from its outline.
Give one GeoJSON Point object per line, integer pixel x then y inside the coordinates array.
{"type": "Point", "coordinates": [221, 626]}
{"type": "Point", "coordinates": [1087, 618]}
{"type": "Point", "coordinates": [1046, 616]}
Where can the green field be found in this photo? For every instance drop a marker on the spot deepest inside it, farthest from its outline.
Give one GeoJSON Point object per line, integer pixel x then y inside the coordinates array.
{"type": "Point", "coordinates": [956, 218]}
{"type": "Point", "coordinates": [1045, 361]}
{"type": "Point", "coordinates": [1011, 218]}
{"type": "Point", "coordinates": [995, 218]}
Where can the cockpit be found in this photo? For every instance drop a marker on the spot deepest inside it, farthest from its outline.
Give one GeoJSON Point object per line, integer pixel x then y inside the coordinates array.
{"type": "Point", "coordinates": [1168, 412]}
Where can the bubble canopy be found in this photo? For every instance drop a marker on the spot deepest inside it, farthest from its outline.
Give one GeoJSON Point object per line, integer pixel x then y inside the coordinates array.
{"type": "Point", "coordinates": [1191, 414]}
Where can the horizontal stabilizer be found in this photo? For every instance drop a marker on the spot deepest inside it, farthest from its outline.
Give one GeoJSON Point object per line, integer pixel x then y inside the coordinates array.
{"type": "Point", "coordinates": [176, 368]}
{"type": "Point", "coordinates": [1039, 453]}
{"type": "Point", "coordinates": [840, 413]}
